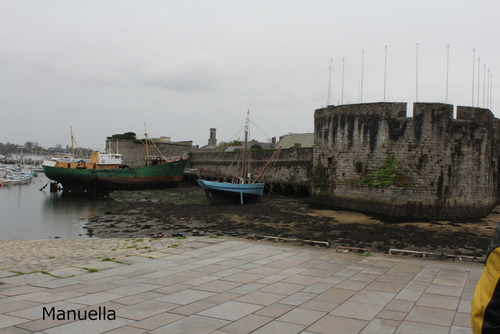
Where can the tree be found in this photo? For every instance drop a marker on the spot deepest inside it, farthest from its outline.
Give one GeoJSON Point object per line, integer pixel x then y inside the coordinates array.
{"type": "Point", "coordinates": [8, 148]}
{"type": "Point", "coordinates": [29, 144]}
{"type": "Point", "coordinates": [222, 145]}
{"type": "Point", "coordinates": [125, 136]}
{"type": "Point", "coordinates": [234, 143]}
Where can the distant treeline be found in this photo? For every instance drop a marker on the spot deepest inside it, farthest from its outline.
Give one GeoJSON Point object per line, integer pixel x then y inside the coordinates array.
{"type": "Point", "coordinates": [35, 148]}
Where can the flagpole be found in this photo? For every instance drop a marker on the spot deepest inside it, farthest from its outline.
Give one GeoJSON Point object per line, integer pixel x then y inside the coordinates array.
{"type": "Point", "coordinates": [416, 76]}
{"type": "Point", "coordinates": [329, 83]}
{"type": "Point", "coordinates": [447, 71]}
{"type": "Point", "coordinates": [362, 72]}
{"type": "Point", "coordinates": [488, 92]}
{"type": "Point", "coordinates": [478, 77]}
{"type": "Point", "coordinates": [484, 81]}
{"type": "Point", "coordinates": [385, 71]}
{"type": "Point", "coordinates": [343, 70]}
{"type": "Point", "coordinates": [473, 73]}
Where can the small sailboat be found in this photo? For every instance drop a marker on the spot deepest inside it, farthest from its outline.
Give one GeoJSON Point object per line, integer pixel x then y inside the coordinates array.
{"type": "Point", "coordinates": [241, 189]}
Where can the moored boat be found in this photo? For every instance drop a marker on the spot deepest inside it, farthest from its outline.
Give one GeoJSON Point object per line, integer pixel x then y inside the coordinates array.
{"type": "Point", "coordinates": [242, 189]}
{"type": "Point", "coordinates": [222, 192]}
{"type": "Point", "coordinates": [15, 176]}
{"type": "Point", "coordinates": [105, 171]}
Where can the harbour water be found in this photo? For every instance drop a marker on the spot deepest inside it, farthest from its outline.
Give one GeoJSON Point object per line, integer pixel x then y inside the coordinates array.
{"type": "Point", "coordinates": [27, 213]}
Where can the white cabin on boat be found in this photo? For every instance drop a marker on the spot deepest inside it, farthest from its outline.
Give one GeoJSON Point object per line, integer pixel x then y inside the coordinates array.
{"type": "Point", "coordinates": [106, 158]}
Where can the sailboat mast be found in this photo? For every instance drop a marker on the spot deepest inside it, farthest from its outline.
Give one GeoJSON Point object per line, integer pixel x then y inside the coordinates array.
{"type": "Point", "coordinates": [147, 145]}
{"type": "Point", "coordinates": [243, 167]}
{"type": "Point", "coordinates": [72, 142]}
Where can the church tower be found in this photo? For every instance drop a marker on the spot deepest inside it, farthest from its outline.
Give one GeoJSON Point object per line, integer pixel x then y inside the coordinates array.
{"type": "Point", "coordinates": [212, 141]}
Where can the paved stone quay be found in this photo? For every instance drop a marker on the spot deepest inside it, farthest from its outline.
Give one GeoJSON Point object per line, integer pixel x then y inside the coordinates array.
{"type": "Point", "coordinates": [216, 285]}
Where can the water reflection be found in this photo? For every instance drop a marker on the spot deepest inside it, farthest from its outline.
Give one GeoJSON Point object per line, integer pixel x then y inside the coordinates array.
{"type": "Point", "coordinates": [28, 213]}
{"type": "Point", "coordinates": [65, 203]}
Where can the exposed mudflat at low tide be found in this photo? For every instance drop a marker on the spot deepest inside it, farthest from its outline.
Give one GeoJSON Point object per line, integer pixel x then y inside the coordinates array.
{"type": "Point", "coordinates": [184, 210]}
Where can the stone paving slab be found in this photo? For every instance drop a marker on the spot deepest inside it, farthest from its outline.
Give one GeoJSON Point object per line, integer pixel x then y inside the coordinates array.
{"type": "Point", "coordinates": [204, 285]}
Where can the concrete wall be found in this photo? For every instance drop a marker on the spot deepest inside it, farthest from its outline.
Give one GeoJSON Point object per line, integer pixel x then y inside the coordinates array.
{"type": "Point", "coordinates": [446, 168]}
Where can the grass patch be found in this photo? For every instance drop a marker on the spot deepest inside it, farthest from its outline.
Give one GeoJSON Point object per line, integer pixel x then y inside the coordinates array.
{"type": "Point", "coordinates": [46, 273]}
{"type": "Point", "coordinates": [113, 260]}
{"type": "Point", "coordinates": [17, 272]}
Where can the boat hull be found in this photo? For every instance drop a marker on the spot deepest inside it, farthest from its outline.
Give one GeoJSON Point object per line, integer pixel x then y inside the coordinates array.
{"type": "Point", "coordinates": [225, 193]}
{"type": "Point", "coordinates": [158, 176]}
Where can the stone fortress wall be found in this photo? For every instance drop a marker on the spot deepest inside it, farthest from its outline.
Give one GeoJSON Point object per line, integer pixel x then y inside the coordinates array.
{"type": "Point", "coordinates": [290, 168]}
{"type": "Point", "coordinates": [371, 157]}
{"type": "Point", "coordinates": [134, 152]}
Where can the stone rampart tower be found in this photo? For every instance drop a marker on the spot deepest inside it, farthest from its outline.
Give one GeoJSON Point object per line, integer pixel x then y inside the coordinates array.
{"type": "Point", "coordinates": [371, 157]}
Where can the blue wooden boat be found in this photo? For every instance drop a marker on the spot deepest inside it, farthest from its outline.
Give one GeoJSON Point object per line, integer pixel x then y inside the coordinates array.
{"type": "Point", "coordinates": [242, 189]}
{"type": "Point", "coordinates": [222, 192]}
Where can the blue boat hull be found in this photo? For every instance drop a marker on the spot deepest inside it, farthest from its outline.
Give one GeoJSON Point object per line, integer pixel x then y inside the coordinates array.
{"type": "Point", "coordinates": [223, 192]}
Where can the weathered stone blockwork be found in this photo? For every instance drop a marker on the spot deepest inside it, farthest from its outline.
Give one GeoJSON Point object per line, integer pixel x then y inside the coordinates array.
{"type": "Point", "coordinates": [134, 152]}
{"type": "Point", "coordinates": [447, 168]}
{"type": "Point", "coordinates": [291, 166]}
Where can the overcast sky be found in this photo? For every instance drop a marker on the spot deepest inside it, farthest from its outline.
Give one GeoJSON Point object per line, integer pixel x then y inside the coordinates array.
{"type": "Point", "coordinates": [183, 67]}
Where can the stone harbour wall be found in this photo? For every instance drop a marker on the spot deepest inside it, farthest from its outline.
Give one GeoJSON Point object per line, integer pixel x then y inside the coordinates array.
{"type": "Point", "coordinates": [290, 166]}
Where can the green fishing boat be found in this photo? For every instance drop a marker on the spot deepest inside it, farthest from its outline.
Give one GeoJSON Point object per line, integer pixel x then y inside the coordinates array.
{"type": "Point", "coordinates": [106, 171]}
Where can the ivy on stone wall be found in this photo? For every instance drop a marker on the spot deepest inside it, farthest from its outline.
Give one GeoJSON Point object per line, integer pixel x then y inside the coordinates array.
{"type": "Point", "coordinates": [320, 177]}
{"type": "Point", "coordinates": [387, 175]}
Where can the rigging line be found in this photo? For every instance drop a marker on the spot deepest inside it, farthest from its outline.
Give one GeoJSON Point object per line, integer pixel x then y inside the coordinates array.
{"type": "Point", "coordinates": [237, 133]}
{"type": "Point", "coordinates": [66, 136]}
{"type": "Point", "coordinates": [149, 140]}
{"type": "Point", "coordinates": [260, 129]}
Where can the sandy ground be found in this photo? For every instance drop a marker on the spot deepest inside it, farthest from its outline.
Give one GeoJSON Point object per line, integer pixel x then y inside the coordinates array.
{"type": "Point", "coordinates": [66, 257]}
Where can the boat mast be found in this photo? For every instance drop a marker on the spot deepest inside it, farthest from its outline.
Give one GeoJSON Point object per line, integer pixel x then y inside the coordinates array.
{"type": "Point", "coordinates": [243, 167]}
{"type": "Point", "coordinates": [147, 150]}
{"type": "Point", "coordinates": [72, 142]}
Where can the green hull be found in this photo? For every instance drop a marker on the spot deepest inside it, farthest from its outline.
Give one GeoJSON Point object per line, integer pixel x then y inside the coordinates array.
{"type": "Point", "coordinates": [158, 176]}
